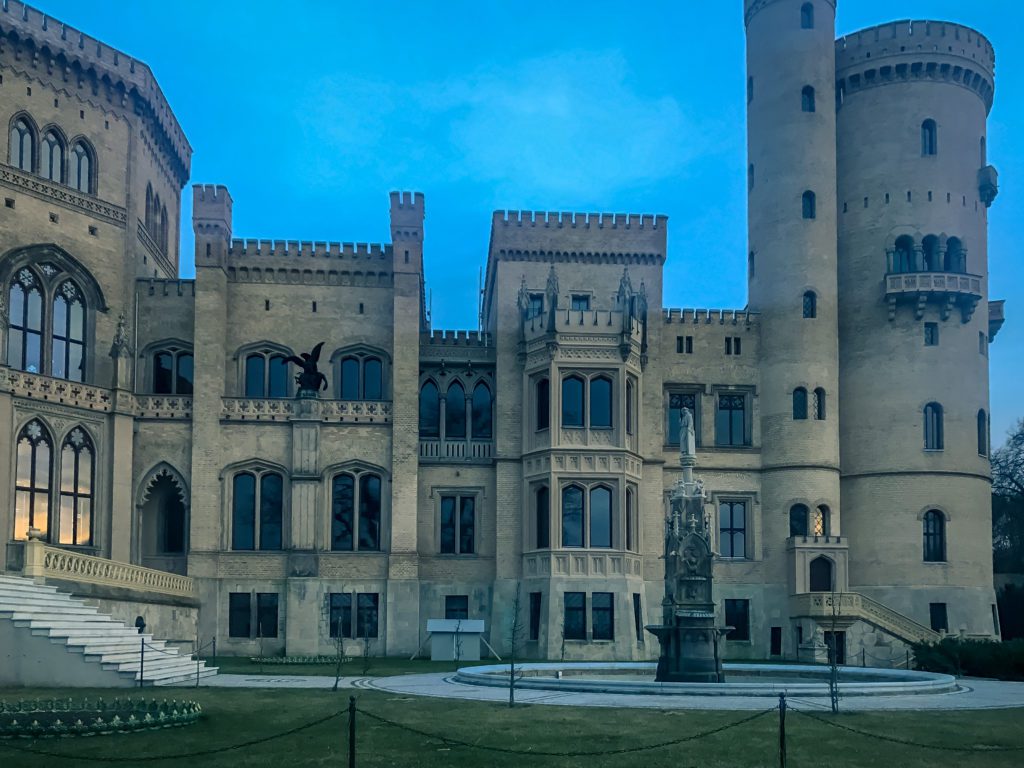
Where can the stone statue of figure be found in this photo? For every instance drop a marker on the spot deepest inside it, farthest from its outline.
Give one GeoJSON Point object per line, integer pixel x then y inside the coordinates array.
{"type": "Point", "coordinates": [687, 435]}
{"type": "Point", "coordinates": [310, 380]}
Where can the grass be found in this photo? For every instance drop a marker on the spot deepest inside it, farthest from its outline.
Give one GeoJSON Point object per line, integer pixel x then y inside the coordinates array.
{"type": "Point", "coordinates": [234, 716]}
{"type": "Point", "coordinates": [377, 667]}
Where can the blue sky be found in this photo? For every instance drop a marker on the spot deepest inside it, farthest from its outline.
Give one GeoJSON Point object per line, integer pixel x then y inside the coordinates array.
{"type": "Point", "coordinates": [310, 112]}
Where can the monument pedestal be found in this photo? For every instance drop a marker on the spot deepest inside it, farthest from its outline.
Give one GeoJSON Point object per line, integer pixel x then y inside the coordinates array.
{"type": "Point", "coordinates": [689, 651]}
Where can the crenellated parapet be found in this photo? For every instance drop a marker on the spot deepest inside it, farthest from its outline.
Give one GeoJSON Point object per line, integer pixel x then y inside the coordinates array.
{"type": "Point", "coordinates": [244, 249]}
{"type": "Point", "coordinates": [449, 338]}
{"type": "Point", "coordinates": [604, 237]}
{"type": "Point", "coordinates": [710, 316]}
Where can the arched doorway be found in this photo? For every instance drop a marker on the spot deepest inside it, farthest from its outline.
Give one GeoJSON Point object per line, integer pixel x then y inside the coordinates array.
{"type": "Point", "coordinates": [822, 575]}
{"type": "Point", "coordinates": [163, 521]}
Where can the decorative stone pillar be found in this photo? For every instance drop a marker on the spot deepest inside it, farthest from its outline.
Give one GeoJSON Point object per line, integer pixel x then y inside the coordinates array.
{"type": "Point", "coordinates": [122, 446]}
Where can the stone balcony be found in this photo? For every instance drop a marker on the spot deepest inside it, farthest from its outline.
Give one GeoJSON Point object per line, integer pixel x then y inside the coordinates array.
{"type": "Point", "coordinates": [588, 321]}
{"type": "Point", "coordinates": [447, 451]}
{"type": "Point", "coordinates": [801, 551]}
{"type": "Point", "coordinates": [284, 409]}
{"type": "Point", "coordinates": [947, 289]}
{"type": "Point", "coordinates": [583, 563]}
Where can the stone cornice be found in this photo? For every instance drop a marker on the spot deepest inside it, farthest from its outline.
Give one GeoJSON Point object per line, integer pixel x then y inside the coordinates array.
{"type": "Point", "coordinates": [66, 197]}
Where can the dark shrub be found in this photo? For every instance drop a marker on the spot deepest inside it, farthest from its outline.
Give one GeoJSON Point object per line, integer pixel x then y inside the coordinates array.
{"type": "Point", "coordinates": [973, 658]}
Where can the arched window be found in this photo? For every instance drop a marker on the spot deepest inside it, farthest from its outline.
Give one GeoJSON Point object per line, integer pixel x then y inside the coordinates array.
{"type": "Point", "coordinates": [356, 512]}
{"type": "Point", "coordinates": [799, 404]}
{"type": "Point", "coordinates": [807, 99]}
{"type": "Point", "coordinates": [934, 536]}
{"type": "Point", "coordinates": [809, 205]}
{"type": "Point", "coordinates": [266, 375]}
{"type": "Point", "coordinates": [373, 378]}
{"type": "Point", "coordinates": [543, 511]}
{"type": "Point", "coordinates": [369, 512]}
{"type": "Point", "coordinates": [930, 248]}
{"type": "Point", "coordinates": [22, 146]}
{"type": "Point", "coordinates": [929, 138]}
{"type": "Point", "coordinates": [982, 433]}
{"type": "Point", "coordinates": [600, 402]}
{"type": "Point", "coordinates": [32, 480]}
{"type": "Point", "coordinates": [25, 329]}
{"type": "Point", "coordinates": [572, 516]}
{"type": "Point", "coordinates": [810, 304]}
{"type": "Point", "coordinates": [252, 491]}
{"type": "Point", "coordinates": [52, 165]}
{"type": "Point", "coordinates": [630, 407]}
{"type": "Point", "coordinates": [933, 438]}
{"type": "Point", "coordinates": [67, 360]}
{"type": "Point", "coordinates": [807, 16]}
{"type": "Point", "coordinates": [81, 167]}
{"type": "Point", "coordinates": [572, 402]}
{"type": "Point", "coordinates": [360, 377]}
{"type": "Point", "coordinates": [821, 575]}
{"type": "Point", "coordinates": [821, 521]}
{"type": "Point", "coordinates": [430, 410]}
{"type": "Point", "coordinates": [173, 372]}
{"type": "Point", "coordinates": [76, 481]}
{"type": "Point", "coordinates": [163, 228]}
{"type": "Point", "coordinates": [349, 378]}
{"type": "Point", "coordinates": [482, 412]}
{"type": "Point", "coordinates": [543, 403]}
{"type": "Point", "coordinates": [600, 516]}
{"type": "Point", "coordinates": [819, 404]}
{"type": "Point", "coordinates": [903, 258]}
{"type": "Point", "coordinates": [956, 259]}
{"type": "Point", "coordinates": [455, 412]}
{"type": "Point", "coordinates": [798, 514]}
{"type": "Point", "coordinates": [148, 214]}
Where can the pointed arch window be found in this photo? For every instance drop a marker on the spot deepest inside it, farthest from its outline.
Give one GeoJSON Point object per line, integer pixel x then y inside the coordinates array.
{"type": "Point", "coordinates": [163, 228]}
{"type": "Point", "coordinates": [52, 165]}
{"type": "Point", "coordinates": [572, 516]}
{"type": "Point", "coordinates": [799, 404]}
{"type": "Point", "coordinates": [807, 16]}
{"type": "Point", "coordinates": [68, 349]}
{"type": "Point", "coordinates": [430, 410]}
{"type": "Point", "coordinates": [173, 372]}
{"type": "Point", "coordinates": [482, 412]}
{"type": "Point", "coordinates": [25, 329]}
{"type": "Point", "coordinates": [798, 515]}
{"type": "Point", "coordinates": [34, 466]}
{"type": "Point", "coordinates": [819, 404]}
{"type": "Point", "coordinates": [601, 516]}
{"type": "Point", "coordinates": [148, 214]}
{"type": "Point", "coordinates": [934, 536]}
{"type": "Point", "coordinates": [572, 402]}
{"type": "Point", "coordinates": [360, 376]}
{"type": "Point", "coordinates": [266, 375]}
{"type": "Point", "coordinates": [455, 412]}
{"type": "Point", "coordinates": [982, 433]}
{"type": "Point", "coordinates": [356, 511]}
{"type": "Point", "coordinates": [22, 146]}
{"type": "Point", "coordinates": [822, 574]}
{"type": "Point", "coordinates": [929, 138]}
{"type": "Point", "coordinates": [254, 491]}
{"type": "Point", "coordinates": [542, 508]}
{"type": "Point", "coordinates": [821, 521]}
{"type": "Point", "coordinates": [810, 206]}
{"type": "Point", "coordinates": [810, 305]}
{"type": "Point", "coordinates": [600, 402]}
{"type": "Point", "coordinates": [81, 169]}
{"type": "Point", "coordinates": [933, 437]}
{"type": "Point", "coordinates": [807, 99]}
{"type": "Point", "coordinates": [76, 489]}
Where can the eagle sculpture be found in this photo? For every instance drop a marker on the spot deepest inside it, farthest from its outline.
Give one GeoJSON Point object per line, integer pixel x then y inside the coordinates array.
{"type": "Point", "coordinates": [309, 379]}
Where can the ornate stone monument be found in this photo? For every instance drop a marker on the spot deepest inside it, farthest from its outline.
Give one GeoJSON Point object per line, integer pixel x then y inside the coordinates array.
{"type": "Point", "coordinates": [688, 635]}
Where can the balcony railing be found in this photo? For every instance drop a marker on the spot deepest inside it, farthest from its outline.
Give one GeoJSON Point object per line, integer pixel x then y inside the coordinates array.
{"type": "Point", "coordinates": [951, 289]}
{"type": "Point", "coordinates": [282, 409]}
{"type": "Point", "coordinates": [460, 450]}
{"type": "Point", "coordinates": [581, 562]}
{"type": "Point", "coordinates": [73, 393]}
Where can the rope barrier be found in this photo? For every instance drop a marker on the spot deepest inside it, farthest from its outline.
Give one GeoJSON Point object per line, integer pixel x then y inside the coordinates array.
{"type": "Point", "coordinates": [905, 742]}
{"type": "Point", "coordinates": [509, 751]}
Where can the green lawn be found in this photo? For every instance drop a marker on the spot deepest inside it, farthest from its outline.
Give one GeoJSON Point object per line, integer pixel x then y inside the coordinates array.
{"type": "Point", "coordinates": [234, 716]}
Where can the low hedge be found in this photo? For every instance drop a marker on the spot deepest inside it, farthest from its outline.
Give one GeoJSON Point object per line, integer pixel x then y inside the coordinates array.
{"type": "Point", "coordinates": [973, 658]}
{"type": "Point", "coordinates": [70, 717]}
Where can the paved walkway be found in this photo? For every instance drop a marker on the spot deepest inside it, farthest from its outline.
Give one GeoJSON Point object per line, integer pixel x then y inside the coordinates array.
{"type": "Point", "coordinates": [974, 694]}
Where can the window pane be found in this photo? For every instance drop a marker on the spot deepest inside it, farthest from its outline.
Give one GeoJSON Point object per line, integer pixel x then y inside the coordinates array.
{"type": "Point", "coordinates": [575, 623]}
{"type": "Point", "coordinates": [798, 520]}
{"type": "Point", "coordinates": [448, 525]}
{"type": "Point", "coordinates": [572, 402]}
{"type": "Point", "coordinates": [543, 518]}
{"type": "Point", "coordinates": [602, 609]}
{"type": "Point", "coordinates": [800, 403]}
{"type": "Point", "coordinates": [481, 411]}
{"type": "Point", "coordinates": [467, 524]}
{"type": "Point", "coordinates": [341, 614]}
{"type": "Point", "coordinates": [163, 372]}
{"type": "Point", "coordinates": [455, 412]}
{"type": "Point", "coordinates": [543, 403]}
{"type": "Point", "coordinates": [572, 517]}
{"type": "Point", "coordinates": [66, 519]}
{"type": "Point", "coordinates": [83, 526]}
{"type": "Point", "coordinates": [255, 370]}
{"type": "Point", "coordinates": [369, 512]}
{"type": "Point", "coordinates": [185, 374]}
{"type": "Point", "coordinates": [600, 517]}
{"type": "Point", "coordinates": [737, 616]}
{"type": "Point", "coordinates": [239, 621]}
{"type": "Point", "coordinates": [535, 604]}
{"type": "Point", "coordinates": [676, 403]}
{"type": "Point", "coordinates": [266, 615]}
{"type": "Point", "coordinates": [373, 379]}
{"type": "Point", "coordinates": [430, 411]}
{"type": "Point", "coordinates": [278, 377]}
{"type": "Point", "coordinates": [600, 402]}
{"type": "Point", "coordinates": [271, 501]}
{"type": "Point", "coordinates": [342, 512]}
{"type": "Point", "coordinates": [243, 517]}
{"type": "Point", "coordinates": [350, 379]}
{"type": "Point", "coordinates": [366, 620]}
{"type": "Point", "coordinates": [456, 607]}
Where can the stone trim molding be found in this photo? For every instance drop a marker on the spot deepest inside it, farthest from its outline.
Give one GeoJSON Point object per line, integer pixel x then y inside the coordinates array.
{"type": "Point", "coordinates": [61, 195]}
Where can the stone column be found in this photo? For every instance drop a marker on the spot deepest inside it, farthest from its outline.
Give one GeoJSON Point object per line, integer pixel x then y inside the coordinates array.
{"type": "Point", "coordinates": [302, 627]}
{"type": "Point", "coordinates": [122, 442]}
{"type": "Point", "coordinates": [8, 439]}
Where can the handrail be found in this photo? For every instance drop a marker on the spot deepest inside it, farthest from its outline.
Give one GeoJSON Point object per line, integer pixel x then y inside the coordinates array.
{"type": "Point", "coordinates": [859, 606]}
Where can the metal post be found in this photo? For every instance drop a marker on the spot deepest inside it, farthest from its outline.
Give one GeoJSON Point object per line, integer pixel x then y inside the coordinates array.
{"type": "Point", "coordinates": [197, 660]}
{"type": "Point", "coordinates": [908, 658]}
{"type": "Point", "coordinates": [782, 730]}
{"type": "Point", "coordinates": [863, 657]}
{"type": "Point", "coordinates": [214, 663]}
{"type": "Point", "coordinates": [142, 659]}
{"type": "Point", "coordinates": [351, 732]}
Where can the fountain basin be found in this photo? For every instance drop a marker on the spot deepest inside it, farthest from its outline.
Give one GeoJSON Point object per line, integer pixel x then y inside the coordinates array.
{"type": "Point", "coordinates": [767, 680]}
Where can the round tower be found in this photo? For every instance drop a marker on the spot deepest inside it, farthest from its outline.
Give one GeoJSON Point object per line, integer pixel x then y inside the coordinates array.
{"type": "Point", "coordinates": [913, 189]}
{"type": "Point", "coordinates": [791, 146]}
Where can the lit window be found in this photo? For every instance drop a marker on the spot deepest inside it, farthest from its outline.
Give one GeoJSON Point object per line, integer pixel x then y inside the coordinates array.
{"type": "Point", "coordinates": [76, 479]}
{"type": "Point", "coordinates": [821, 521]}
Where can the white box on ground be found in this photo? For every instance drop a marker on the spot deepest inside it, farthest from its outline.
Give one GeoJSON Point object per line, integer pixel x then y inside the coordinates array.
{"type": "Point", "coordinates": [455, 639]}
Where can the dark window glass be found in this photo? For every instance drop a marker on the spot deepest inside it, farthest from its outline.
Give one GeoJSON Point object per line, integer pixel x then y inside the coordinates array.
{"type": "Point", "coordinates": [367, 611]}
{"type": "Point", "coordinates": [933, 437]}
{"type": "Point", "coordinates": [799, 403]}
{"type": "Point", "coordinates": [373, 379]}
{"type": "Point", "coordinates": [934, 537]}
{"type": "Point", "coordinates": [602, 608]}
{"type": "Point", "coordinates": [676, 402]}
{"type": "Point", "coordinates": [342, 513]}
{"type": "Point", "coordinates": [600, 517]}
{"type": "Point", "coordinates": [350, 378]}
{"type": "Point", "coordinates": [448, 525]}
{"type": "Point", "coordinates": [810, 305]}
{"type": "Point", "coordinates": [731, 420]}
{"type": "Point", "coordinates": [807, 16]}
{"type": "Point", "coordinates": [543, 403]}
{"type": "Point", "coordinates": [68, 342]}
{"type": "Point", "coordinates": [255, 373]}
{"type": "Point", "coordinates": [455, 412]}
{"type": "Point", "coordinates": [535, 603]}
{"type": "Point", "coordinates": [903, 257]}
{"type": "Point", "coordinates": [821, 571]}
{"type": "Point", "coordinates": [430, 411]}
{"type": "Point", "coordinates": [775, 643]}
{"type": "Point", "coordinates": [239, 615]}
{"type": "Point", "coordinates": [32, 483]}
{"type": "Point", "coordinates": [809, 205]}
{"type": "Point", "coordinates": [931, 334]}
{"type": "Point", "coordinates": [580, 303]}
{"type": "Point", "coordinates": [737, 616]}
{"type": "Point", "coordinates": [482, 414]}
{"type": "Point", "coordinates": [173, 525]}
{"type": "Point", "coordinates": [982, 433]}
{"type": "Point", "coordinates": [930, 253]}
{"type": "Point", "coordinates": [575, 624]}
{"type": "Point", "coordinates": [22, 146]}
{"type": "Point", "coordinates": [81, 171]}
{"type": "Point", "coordinates": [807, 99]}
{"type": "Point", "coordinates": [956, 258]}
{"type": "Point", "coordinates": [186, 376]}
{"type": "Point", "coordinates": [543, 518]}
{"type": "Point", "coordinates": [819, 404]}
{"type": "Point", "coordinates": [341, 614]}
{"type": "Point", "coordinates": [630, 520]}
{"type": "Point", "coordinates": [600, 402]}
{"type": "Point", "coordinates": [456, 607]}
{"type": "Point", "coordinates": [369, 512]}
{"type": "Point", "coordinates": [467, 525]}
{"type": "Point", "coordinates": [798, 520]}
{"type": "Point", "coordinates": [572, 401]}
{"type": "Point", "coordinates": [629, 408]}
{"type": "Point", "coordinates": [243, 515]}
{"type": "Point", "coordinates": [163, 373]}
{"type": "Point", "coordinates": [266, 614]}
{"type": "Point", "coordinates": [572, 516]}
{"type": "Point", "coordinates": [929, 138]}
{"type": "Point", "coordinates": [939, 617]}
{"type": "Point", "coordinates": [25, 323]}
{"type": "Point", "coordinates": [732, 528]}
{"type": "Point", "coordinates": [271, 501]}
{"type": "Point", "coordinates": [638, 618]}
{"type": "Point", "coordinates": [278, 377]}
{"type": "Point", "coordinates": [536, 306]}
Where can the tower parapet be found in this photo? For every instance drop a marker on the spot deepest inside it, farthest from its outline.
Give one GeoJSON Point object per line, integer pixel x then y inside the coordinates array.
{"type": "Point", "coordinates": [211, 221]}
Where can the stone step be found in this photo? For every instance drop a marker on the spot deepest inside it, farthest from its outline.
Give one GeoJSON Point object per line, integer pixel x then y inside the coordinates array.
{"type": "Point", "coordinates": [152, 664]}
{"type": "Point", "coordinates": [56, 619]}
{"type": "Point", "coordinates": [55, 598]}
{"type": "Point", "coordinates": [21, 581]}
{"type": "Point", "coordinates": [86, 632]}
{"type": "Point", "coordinates": [182, 678]}
{"type": "Point", "coordinates": [100, 647]}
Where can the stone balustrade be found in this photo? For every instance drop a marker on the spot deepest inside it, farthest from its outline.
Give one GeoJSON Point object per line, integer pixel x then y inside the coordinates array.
{"type": "Point", "coordinates": [172, 407]}
{"type": "Point", "coordinates": [283, 409]}
{"type": "Point", "coordinates": [582, 562]}
{"type": "Point", "coordinates": [853, 605]}
{"type": "Point", "coordinates": [456, 450]}
{"type": "Point", "coordinates": [74, 393]}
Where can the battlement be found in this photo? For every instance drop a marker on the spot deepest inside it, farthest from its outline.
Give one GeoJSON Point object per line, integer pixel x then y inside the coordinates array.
{"type": "Point", "coordinates": [308, 249]}
{"type": "Point", "coordinates": [411, 200]}
{"type": "Point", "coordinates": [456, 339]}
{"type": "Point", "coordinates": [155, 286]}
{"type": "Point", "coordinates": [913, 38]}
{"type": "Point", "coordinates": [708, 316]}
{"type": "Point", "coordinates": [57, 41]}
{"type": "Point", "coordinates": [563, 219]}
{"type": "Point", "coordinates": [407, 214]}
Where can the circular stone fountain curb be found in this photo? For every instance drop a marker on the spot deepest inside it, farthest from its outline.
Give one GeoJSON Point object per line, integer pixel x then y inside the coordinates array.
{"type": "Point", "coordinates": [853, 681]}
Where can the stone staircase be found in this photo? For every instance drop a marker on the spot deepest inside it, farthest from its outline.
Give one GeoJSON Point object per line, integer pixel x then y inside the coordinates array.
{"type": "Point", "coordinates": [53, 639]}
{"type": "Point", "coordinates": [853, 606]}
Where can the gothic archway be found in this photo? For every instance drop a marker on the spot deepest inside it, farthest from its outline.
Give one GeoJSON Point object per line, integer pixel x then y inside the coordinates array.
{"type": "Point", "coordinates": [163, 520]}
{"type": "Point", "coordinates": [822, 574]}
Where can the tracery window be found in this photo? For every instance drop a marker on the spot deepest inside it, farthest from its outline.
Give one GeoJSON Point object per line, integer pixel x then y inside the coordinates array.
{"type": "Point", "coordinates": [482, 412]}
{"type": "Point", "coordinates": [356, 511]}
{"type": "Point", "coordinates": [173, 371]}
{"type": "Point", "coordinates": [542, 509]}
{"type": "Point", "coordinates": [430, 410]}
{"type": "Point", "coordinates": [81, 169]}
{"type": "Point", "coordinates": [25, 330]}
{"type": "Point", "coordinates": [253, 491]}
{"type": "Point", "coordinates": [821, 521]}
{"type": "Point", "coordinates": [68, 349]}
{"type": "Point", "coordinates": [32, 480]}
{"type": "Point", "coordinates": [22, 146]}
{"type": "Point", "coordinates": [934, 536]}
{"type": "Point", "coordinates": [266, 375]}
{"type": "Point", "coordinates": [52, 165]}
{"type": "Point", "coordinates": [76, 489]}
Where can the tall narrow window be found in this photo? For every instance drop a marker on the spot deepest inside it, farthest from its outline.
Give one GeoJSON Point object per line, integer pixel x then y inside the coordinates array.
{"type": "Point", "coordinates": [249, 494]}
{"type": "Point", "coordinates": [903, 257]}
{"type": "Point", "coordinates": [602, 608]}
{"type": "Point", "coordinates": [638, 618]}
{"type": "Point", "coordinates": [32, 481]}
{"type": "Point", "coordinates": [933, 437]}
{"type": "Point", "coordinates": [52, 166]}
{"type": "Point", "coordinates": [630, 521]}
{"type": "Point", "coordinates": [572, 402]}
{"type": "Point", "coordinates": [574, 624]}
{"type": "Point", "coordinates": [810, 304]}
{"type": "Point", "coordinates": [239, 614]}
{"type": "Point", "coordinates": [373, 378]}
{"type": "Point", "coordinates": [821, 575]}
{"type": "Point", "coordinates": [543, 417]}
{"type": "Point", "coordinates": [22, 146]}
{"type": "Point", "coordinates": [821, 522]}
{"type": "Point", "coordinates": [934, 536]}
{"type": "Point", "coordinates": [243, 511]}
{"type": "Point", "coordinates": [455, 412]}
{"type": "Point", "coordinates": [955, 259]}
{"type": "Point", "coordinates": [81, 168]}
{"type": "Point", "coordinates": [798, 514]}
{"type": "Point", "coordinates": [807, 99]}
{"type": "Point", "coordinates": [819, 404]}
{"type": "Point", "coordinates": [731, 421]}
{"type": "Point", "coordinates": [677, 401]}
{"type": "Point", "coordinates": [369, 512]}
{"type": "Point", "coordinates": [163, 373]}
{"type": "Point", "coordinates": [367, 614]}
{"type": "Point", "coordinates": [732, 528]}
{"type": "Point", "coordinates": [76, 478]}
{"type": "Point", "coordinates": [430, 410]}
{"type": "Point", "coordinates": [600, 517]}
{"type": "Point", "coordinates": [930, 249]}
{"type": "Point", "coordinates": [982, 433]}
{"type": "Point", "coordinates": [25, 328]}
{"type": "Point", "coordinates": [600, 402]}
{"type": "Point", "coordinates": [543, 511]}
{"type": "Point", "coordinates": [809, 205]}
{"type": "Point", "coordinates": [929, 138]}
{"type": "Point", "coordinates": [482, 412]}
{"type": "Point", "coordinates": [572, 516]}
{"type": "Point", "coordinates": [350, 378]}
{"type": "Point", "coordinates": [271, 504]}
{"type": "Point", "coordinates": [535, 603]}
{"type": "Point", "coordinates": [343, 512]}
{"type": "Point", "coordinates": [341, 614]}
{"type": "Point", "coordinates": [629, 407]}
{"type": "Point", "coordinates": [277, 377]}
{"type": "Point", "coordinates": [938, 616]}
{"type": "Point", "coordinates": [255, 375]}
{"type": "Point", "coordinates": [799, 404]}
{"type": "Point", "coordinates": [266, 614]}
{"type": "Point", "coordinates": [68, 350]}
{"type": "Point", "coordinates": [737, 616]}
{"type": "Point", "coordinates": [807, 16]}
{"type": "Point", "coordinates": [458, 522]}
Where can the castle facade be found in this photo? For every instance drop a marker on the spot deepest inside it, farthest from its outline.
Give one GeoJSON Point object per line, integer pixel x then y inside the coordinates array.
{"type": "Point", "coordinates": [841, 418]}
